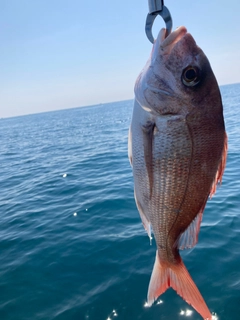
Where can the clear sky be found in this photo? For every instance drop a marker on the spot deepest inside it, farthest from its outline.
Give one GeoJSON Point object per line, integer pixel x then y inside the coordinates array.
{"type": "Point", "coordinates": [57, 54]}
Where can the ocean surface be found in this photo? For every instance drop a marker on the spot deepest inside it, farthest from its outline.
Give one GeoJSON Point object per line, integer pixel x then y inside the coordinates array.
{"type": "Point", "coordinates": [72, 246]}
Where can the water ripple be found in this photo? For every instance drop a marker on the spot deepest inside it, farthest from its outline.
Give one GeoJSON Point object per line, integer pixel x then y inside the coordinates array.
{"type": "Point", "coordinates": [73, 247]}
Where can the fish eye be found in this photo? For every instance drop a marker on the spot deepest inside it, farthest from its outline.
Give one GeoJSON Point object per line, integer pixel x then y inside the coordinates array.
{"type": "Point", "coordinates": [190, 76]}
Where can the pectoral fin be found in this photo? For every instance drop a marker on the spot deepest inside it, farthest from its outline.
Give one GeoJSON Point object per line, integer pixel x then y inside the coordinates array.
{"type": "Point", "coordinates": [148, 130]}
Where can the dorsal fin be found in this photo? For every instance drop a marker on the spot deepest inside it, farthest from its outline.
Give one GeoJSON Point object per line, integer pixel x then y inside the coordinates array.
{"type": "Point", "coordinates": [219, 174]}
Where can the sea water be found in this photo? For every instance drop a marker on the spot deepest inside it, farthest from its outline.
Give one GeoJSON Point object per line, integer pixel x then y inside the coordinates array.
{"type": "Point", "coordinates": [72, 245]}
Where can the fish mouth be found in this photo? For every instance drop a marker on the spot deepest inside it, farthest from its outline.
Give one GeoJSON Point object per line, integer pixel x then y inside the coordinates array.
{"type": "Point", "coordinates": [167, 43]}
{"type": "Point", "coordinates": [163, 47]}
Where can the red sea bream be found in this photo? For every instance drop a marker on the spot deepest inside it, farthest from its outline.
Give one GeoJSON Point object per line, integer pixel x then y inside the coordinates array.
{"type": "Point", "coordinates": [177, 148]}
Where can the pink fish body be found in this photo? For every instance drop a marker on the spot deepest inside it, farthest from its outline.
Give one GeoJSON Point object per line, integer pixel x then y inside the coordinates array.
{"type": "Point", "coordinates": [177, 148]}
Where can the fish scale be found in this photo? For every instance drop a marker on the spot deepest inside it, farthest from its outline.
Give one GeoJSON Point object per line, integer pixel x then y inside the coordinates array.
{"type": "Point", "coordinates": [169, 163]}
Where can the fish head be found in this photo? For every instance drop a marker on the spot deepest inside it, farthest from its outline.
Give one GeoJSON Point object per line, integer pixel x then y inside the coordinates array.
{"type": "Point", "coordinates": [177, 79]}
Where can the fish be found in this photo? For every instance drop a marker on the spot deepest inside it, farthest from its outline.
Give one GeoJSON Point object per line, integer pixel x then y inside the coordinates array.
{"type": "Point", "coordinates": [177, 147]}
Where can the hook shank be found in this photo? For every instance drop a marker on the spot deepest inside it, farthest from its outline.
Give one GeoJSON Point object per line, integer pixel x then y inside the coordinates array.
{"type": "Point", "coordinates": [164, 13]}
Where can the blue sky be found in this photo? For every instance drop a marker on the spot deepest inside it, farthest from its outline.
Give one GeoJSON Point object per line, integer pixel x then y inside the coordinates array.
{"type": "Point", "coordinates": [57, 54]}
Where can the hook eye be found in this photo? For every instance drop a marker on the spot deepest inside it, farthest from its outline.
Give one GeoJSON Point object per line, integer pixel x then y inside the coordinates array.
{"type": "Point", "coordinates": [165, 14]}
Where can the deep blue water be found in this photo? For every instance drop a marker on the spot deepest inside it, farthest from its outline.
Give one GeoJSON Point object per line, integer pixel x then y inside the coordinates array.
{"type": "Point", "coordinates": [74, 247]}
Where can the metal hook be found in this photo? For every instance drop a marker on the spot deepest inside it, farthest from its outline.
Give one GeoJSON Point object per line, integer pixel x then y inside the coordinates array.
{"type": "Point", "coordinates": [157, 8]}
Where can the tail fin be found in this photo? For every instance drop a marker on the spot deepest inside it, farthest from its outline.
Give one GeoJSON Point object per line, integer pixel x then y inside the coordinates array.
{"type": "Point", "coordinates": [177, 277]}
